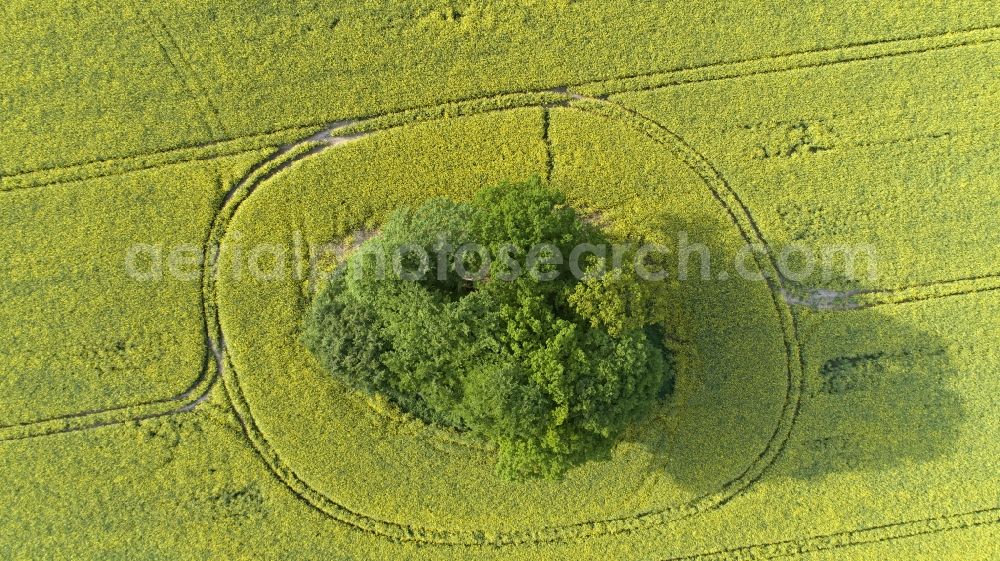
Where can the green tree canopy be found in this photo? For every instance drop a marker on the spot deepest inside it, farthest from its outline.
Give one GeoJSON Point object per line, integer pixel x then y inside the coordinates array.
{"type": "Point", "coordinates": [499, 338]}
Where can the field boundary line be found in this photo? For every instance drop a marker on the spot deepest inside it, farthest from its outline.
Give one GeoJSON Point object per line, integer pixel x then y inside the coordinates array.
{"type": "Point", "coordinates": [823, 300]}
{"type": "Point", "coordinates": [847, 538]}
{"type": "Point", "coordinates": [175, 57]}
{"type": "Point", "coordinates": [153, 160]}
{"type": "Point", "coordinates": [616, 85]}
{"type": "Point", "coordinates": [871, 298]}
{"type": "Point", "coordinates": [72, 422]}
{"type": "Point", "coordinates": [795, 60]}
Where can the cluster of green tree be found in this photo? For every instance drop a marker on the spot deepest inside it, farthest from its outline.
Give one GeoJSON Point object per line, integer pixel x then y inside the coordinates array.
{"type": "Point", "coordinates": [549, 365]}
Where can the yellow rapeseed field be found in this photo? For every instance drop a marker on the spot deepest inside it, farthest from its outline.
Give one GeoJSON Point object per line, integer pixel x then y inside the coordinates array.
{"type": "Point", "coordinates": [168, 171]}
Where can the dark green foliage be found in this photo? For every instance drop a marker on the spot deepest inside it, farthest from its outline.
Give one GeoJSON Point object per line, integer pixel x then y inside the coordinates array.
{"type": "Point", "coordinates": [518, 350]}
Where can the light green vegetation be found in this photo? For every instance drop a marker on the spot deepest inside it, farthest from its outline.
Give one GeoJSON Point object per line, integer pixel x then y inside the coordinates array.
{"type": "Point", "coordinates": [172, 75]}
{"type": "Point", "coordinates": [920, 134]}
{"type": "Point", "coordinates": [850, 433]}
{"type": "Point", "coordinates": [63, 104]}
{"type": "Point", "coordinates": [78, 331]}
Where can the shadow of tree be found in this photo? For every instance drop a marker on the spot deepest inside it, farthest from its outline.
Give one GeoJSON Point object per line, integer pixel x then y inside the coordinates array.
{"type": "Point", "coordinates": [732, 381]}
{"type": "Point", "coordinates": [876, 395]}
{"type": "Point", "coordinates": [876, 389]}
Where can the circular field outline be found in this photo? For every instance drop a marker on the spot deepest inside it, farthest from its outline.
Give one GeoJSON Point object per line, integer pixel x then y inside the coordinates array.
{"type": "Point", "coordinates": [720, 190]}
